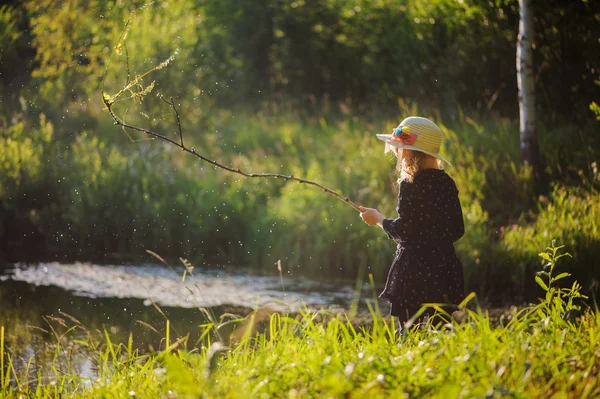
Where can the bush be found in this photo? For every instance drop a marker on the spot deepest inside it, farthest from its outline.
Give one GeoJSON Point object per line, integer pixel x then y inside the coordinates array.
{"type": "Point", "coordinates": [572, 217]}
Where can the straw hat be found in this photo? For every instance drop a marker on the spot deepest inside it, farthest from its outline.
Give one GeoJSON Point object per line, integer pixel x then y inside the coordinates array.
{"type": "Point", "coordinates": [418, 134]}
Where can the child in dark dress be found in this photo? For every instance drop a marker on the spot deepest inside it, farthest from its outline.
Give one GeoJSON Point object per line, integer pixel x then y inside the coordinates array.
{"type": "Point", "coordinates": [425, 268]}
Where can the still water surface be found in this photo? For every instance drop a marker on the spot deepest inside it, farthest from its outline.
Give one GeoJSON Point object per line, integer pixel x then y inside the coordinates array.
{"type": "Point", "coordinates": [121, 298]}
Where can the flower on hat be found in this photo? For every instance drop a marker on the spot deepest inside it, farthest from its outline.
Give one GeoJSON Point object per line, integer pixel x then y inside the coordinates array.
{"type": "Point", "coordinates": [403, 134]}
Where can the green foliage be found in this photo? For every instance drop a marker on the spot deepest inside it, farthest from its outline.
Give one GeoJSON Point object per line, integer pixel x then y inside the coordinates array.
{"type": "Point", "coordinates": [11, 40]}
{"type": "Point", "coordinates": [595, 108]}
{"type": "Point", "coordinates": [70, 38]}
{"type": "Point", "coordinates": [15, 59]}
{"type": "Point", "coordinates": [573, 217]}
{"type": "Point", "coordinates": [324, 52]}
{"type": "Point", "coordinates": [563, 301]}
{"type": "Point", "coordinates": [22, 154]}
{"type": "Point", "coordinates": [9, 34]}
{"type": "Point", "coordinates": [149, 204]}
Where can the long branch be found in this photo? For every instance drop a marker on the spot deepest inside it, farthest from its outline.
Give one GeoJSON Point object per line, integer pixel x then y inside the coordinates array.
{"type": "Point", "coordinates": [192, 151]}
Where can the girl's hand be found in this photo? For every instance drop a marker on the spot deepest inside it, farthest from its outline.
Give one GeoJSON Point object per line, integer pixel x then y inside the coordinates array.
{"type": "Point", "coordinates": [371, 216]}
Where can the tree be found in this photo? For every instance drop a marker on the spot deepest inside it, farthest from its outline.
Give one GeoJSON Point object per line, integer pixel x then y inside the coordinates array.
{"type": "Point", "coordinates": [530, 152]}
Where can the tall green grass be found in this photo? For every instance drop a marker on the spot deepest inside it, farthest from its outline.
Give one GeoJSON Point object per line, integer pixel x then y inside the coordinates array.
{"type": "Point", "coordinates": [548, 349]}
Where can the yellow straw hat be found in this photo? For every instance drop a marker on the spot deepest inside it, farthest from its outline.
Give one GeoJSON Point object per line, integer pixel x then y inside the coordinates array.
{"type": "Point", "coordinates": [418, 134]}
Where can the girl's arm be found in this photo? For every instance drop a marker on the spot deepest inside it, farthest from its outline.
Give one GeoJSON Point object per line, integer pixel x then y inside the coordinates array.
{"type": "Point", "coordinates": [400, 228]}
{"type": "Point", "coordinates": [422, 215]}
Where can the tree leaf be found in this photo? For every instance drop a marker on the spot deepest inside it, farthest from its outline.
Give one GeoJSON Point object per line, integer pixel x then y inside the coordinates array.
{"type": "Point", "coordinates": [560, 276]}
{"type": "Point", "coordinates": [541, 283]}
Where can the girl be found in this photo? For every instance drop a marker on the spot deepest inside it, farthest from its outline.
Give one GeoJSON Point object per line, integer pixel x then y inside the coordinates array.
{"type": "Point", "coordinates": [425, 268]}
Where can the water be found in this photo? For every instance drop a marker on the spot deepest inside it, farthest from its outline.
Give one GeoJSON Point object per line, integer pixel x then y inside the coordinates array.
{"type": "Point", "coordinates": [166, 286]}
{"type": "Point", "coordinates": [37, 301]}
{"type": "Point", "coordinates": [122, 298]}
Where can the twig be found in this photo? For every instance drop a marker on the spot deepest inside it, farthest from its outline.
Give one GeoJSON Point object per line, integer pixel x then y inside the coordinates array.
{"type": "Point", "coordinates": [193, 151]}
{"type": "Point", "coordinates": [109, 101]}
{"type": "Point", "coordinates": [172, 104]}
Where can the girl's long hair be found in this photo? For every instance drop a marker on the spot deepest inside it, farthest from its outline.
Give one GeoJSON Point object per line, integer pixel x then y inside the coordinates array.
{"type": "Point", "coordinates": [409, 165]}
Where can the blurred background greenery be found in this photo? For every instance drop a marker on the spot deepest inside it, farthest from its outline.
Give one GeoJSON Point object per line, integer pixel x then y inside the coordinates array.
{"type": "Point", "coordinates": [295, 87]}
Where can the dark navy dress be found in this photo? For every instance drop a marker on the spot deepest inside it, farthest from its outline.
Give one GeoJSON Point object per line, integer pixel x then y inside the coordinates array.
{"type": "Point", "coordinates": [425, 268]}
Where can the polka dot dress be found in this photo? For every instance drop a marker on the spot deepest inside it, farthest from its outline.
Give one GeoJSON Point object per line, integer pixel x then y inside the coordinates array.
{"type": "Point", "coordinates": [425, 268]}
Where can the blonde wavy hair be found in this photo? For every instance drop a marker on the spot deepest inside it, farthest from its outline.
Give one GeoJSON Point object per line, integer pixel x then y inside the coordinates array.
{"type": "Point", "coordinates": [411, 163]}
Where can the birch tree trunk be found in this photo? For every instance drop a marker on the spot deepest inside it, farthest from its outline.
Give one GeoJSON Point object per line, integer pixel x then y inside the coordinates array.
{"type": "Point", "coordinates": [530, 154]}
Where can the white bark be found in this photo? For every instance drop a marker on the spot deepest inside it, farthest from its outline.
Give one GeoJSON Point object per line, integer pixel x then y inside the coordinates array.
{"type": "Point", "coordinates": [526, 85]}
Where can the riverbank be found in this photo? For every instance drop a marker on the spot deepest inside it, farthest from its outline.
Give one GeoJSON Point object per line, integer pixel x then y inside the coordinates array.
{"type": "Point", "coordinates": [550, 349]}
{"type": "Point", "coordinates": [540, 352]}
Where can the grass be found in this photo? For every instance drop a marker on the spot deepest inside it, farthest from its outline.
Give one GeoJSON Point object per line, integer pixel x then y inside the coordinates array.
{"type": "Point", "coordinates": [549, 349]}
